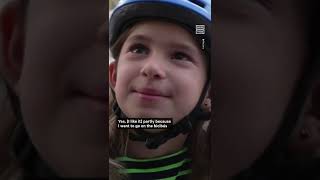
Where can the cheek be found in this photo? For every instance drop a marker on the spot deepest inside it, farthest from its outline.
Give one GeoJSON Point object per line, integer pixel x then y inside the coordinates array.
{"type": "Point", "coordinates": [190, 87]}
{"type": "Point", "coordinates": [125, 75]}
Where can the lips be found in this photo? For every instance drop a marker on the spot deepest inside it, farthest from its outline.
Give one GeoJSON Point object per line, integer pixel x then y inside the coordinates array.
{"type": "Point", "coordinates": [151, 92]}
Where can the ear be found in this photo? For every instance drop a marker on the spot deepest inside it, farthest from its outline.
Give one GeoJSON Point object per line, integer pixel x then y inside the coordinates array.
{"type": "Point", "coordinates": [112, 74]}
{"type": "Point", "coordinates": [12, 43]}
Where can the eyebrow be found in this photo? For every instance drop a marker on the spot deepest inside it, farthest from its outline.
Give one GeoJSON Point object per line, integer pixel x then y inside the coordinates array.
{"type": "Point", "coordinates": [140, 37]}
{"type": "Point", "coordinates": [185, 46]}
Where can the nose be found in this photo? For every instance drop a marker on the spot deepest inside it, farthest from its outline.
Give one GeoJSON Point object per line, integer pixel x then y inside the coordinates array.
{"type": "Point", "coordinates": [153, 68]}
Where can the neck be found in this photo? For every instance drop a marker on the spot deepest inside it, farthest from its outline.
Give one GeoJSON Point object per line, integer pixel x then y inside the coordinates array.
{"type": "Point", "coordinates": [137, 149]}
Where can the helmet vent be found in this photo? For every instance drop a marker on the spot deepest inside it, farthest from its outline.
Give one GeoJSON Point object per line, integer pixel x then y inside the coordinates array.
{"type": "Point", "coordinates": [197, 2]}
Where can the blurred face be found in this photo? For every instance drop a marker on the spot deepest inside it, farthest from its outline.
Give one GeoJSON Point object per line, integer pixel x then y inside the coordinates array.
{"type": "Point", "coordinates": [160, 72]}
{"type": "Point", "coordinates": [62, 85]}
{"type": "Point", "coordinates": [259, 56]}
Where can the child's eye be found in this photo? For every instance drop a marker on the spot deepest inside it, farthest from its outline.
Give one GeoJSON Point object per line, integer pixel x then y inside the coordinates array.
{"type": "Point", "coordinates": [181, 56]}
{"type": "Point", "coordinates": [139, 49]}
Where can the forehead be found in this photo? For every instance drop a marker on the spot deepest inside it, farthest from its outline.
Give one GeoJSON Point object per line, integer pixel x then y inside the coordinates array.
{"type": "Point", "coordinates": [162, 32]}
{"type": "Point", "coordinates": [159, 24]}
{"type": "Point", "coordinates": [159, 27]}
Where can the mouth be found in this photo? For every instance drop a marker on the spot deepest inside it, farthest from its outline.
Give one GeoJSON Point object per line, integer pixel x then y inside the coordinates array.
{"type": "Point", "coordinates": [148, 92]}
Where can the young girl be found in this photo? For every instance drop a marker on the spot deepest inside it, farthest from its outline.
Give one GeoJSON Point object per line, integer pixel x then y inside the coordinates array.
{"type": "Point", "coordinates": [161, 70]}
{"type": "Point", "coordinates": [54, 67]}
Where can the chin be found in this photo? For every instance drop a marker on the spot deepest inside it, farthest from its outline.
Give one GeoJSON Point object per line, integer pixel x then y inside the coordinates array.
{"type": "Point", "coordinates": [147, 114]}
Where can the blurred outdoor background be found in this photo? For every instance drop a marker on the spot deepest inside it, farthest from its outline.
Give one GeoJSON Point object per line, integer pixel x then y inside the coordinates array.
{"type": "Point", "coordinates": [112, 4]}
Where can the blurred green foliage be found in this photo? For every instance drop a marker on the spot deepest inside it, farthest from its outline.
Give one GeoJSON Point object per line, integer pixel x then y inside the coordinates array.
{"type": "Point", "coordinates": [112, 4]}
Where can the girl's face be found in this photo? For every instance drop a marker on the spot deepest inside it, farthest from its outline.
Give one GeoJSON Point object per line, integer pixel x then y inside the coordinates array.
{"type": "Point", "coordinates": [62, 85]}
{"type": "Point", "coordinates": [160, 72]}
